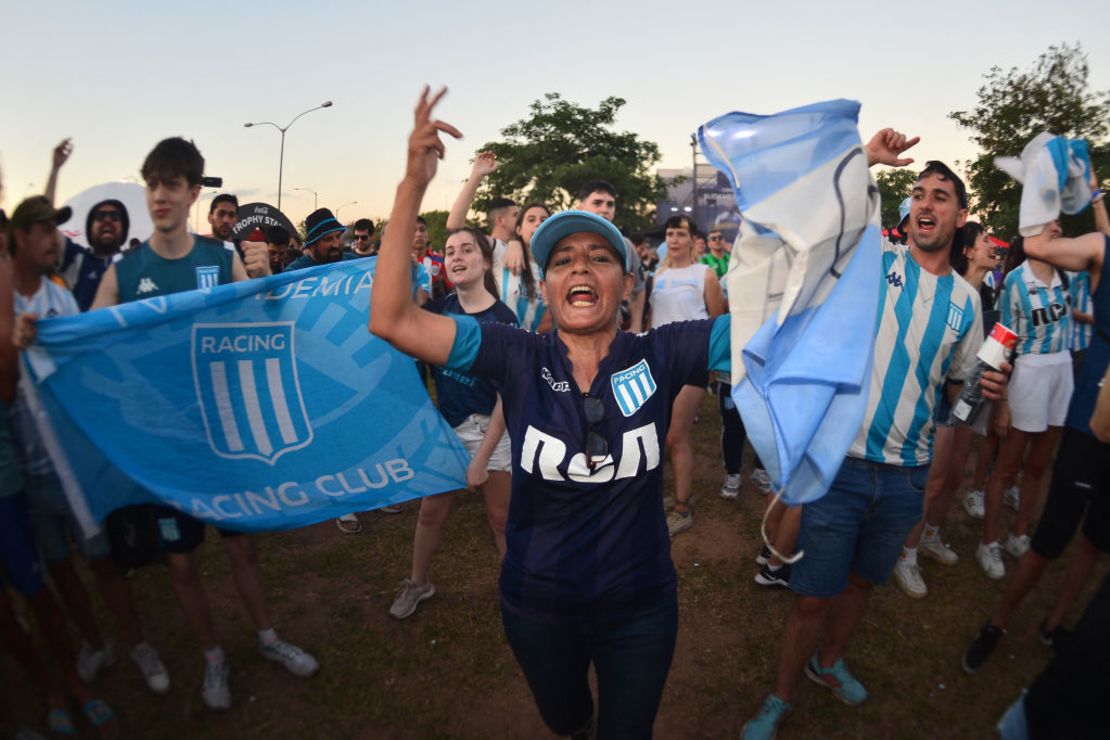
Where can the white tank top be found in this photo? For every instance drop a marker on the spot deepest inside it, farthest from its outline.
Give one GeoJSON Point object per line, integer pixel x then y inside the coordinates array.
{"type": "Point", "coordinates": [679, 295]}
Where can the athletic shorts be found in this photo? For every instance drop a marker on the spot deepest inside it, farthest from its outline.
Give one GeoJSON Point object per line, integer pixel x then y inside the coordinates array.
{"type": "Point", "coordinates": [473, 431]}
{"type": "Point", "coordinates": [181, 533]}
{"type": "Point", "coordinates": [858, 527]}
{"type": "Point", "coordinates": [1040, 391]}
{"type": "Point", "coordinates": [1080, 492]}
{"type": "Point", "coordinates": [54, 524]}
{"type": "Point", "coordinates": [18, 553]}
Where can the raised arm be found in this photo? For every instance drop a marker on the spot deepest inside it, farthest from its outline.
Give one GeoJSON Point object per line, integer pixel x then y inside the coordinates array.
{"type": "Point", "coordinates": [887, 146]}
{"type": "Point", "coordinates": [1098, 206]}
{"type": "Point", "coordinates": [1081, 253]}
{"type": "Point", "coordinates": [484, 164]}
{"type": "Point", "coordinates": [393, 315]}
{"type": "Point", "coordinates": [57, 159]}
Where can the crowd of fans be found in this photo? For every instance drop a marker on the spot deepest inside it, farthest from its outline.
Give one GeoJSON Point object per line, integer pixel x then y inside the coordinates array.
{"type": "Point", "coordinates": [573, 591]}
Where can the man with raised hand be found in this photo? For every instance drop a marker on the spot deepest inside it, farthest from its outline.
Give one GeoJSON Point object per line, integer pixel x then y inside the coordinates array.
{"type": "Point", "coordinates": [172, 261]}
{"type": "Point", "coordinates": [928, 332]}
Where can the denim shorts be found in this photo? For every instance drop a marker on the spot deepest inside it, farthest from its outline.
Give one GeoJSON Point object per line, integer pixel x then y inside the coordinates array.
{"type": "Point", "coordinates": [54, 524]}
{"type": "Point", "coordinates": [859, 526]}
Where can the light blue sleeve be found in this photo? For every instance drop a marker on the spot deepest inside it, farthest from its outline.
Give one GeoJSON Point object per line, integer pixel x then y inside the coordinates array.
{"type": "Point", "coordinates": [468, 339]}
{"type": "Point", "coordinates": [423, 279]}
{"type": "Point", "coordinates": [720, 344]}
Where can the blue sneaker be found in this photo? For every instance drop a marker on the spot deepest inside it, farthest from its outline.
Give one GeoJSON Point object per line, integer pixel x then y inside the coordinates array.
{"type": "Point", "coordinates": [843, 684]}
{"type": "Point", "coordinates": [767, 722]}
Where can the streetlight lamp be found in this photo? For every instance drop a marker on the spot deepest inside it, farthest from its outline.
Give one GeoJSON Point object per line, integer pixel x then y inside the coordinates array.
{"type": "Point", "coordinates": [337, 210]}
{"type": "Point", "coordinates": [315, 197]}
{"type": "Point", "coordinates": [281, 157]}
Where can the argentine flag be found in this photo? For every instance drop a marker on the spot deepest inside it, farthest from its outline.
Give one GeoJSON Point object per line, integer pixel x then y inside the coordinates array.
{"type": "Point", "coordinates": [1055, 173]}
{"type": "Point", "coordinates": [803, 285]}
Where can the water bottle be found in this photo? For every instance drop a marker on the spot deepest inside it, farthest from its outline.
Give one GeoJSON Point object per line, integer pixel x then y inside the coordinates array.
{"type": "Point", "coordinates": [996, 349]}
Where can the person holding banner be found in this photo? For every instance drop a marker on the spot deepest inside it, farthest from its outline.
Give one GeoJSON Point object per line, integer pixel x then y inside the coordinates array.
{"type": "Point", "coordinates": [587, 575]}
{"type": "Point", "coordinates": [174, 260]}
{"type": "Point", "coordinates": [470, 405]}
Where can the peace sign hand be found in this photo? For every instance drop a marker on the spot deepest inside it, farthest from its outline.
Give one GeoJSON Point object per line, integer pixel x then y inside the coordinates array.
{"type": "Point", "coordinates": [425, 146]}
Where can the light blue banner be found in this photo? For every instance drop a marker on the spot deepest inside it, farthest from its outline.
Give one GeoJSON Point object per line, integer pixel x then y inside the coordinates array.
{"type": "Point", "coordinates": [259, 405]}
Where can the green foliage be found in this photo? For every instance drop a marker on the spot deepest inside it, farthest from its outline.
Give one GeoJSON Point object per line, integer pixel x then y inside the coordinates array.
{"type": "Point", "coordinates": [1014, 106]}
{"type": "Point", "coordinates": [437, 229]}
{"type": "Point", "coordinates": [894, 187]}
{"type": "Point", "coordinates": [560, 146]}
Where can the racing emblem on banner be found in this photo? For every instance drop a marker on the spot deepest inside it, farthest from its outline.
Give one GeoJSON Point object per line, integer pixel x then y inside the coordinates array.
{"type": "Point", "coordinates": [632, 387]}
{"type": "Point", "coordinates": [248, 390]}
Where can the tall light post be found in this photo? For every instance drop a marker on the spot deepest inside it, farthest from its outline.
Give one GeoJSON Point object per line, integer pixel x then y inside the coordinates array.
{"type": "Point", "coordinates": [337, 210]}
{"type": "Point", "coordinates": [281, 156]}
{"type": "Point", "coordinates": [315, 197]}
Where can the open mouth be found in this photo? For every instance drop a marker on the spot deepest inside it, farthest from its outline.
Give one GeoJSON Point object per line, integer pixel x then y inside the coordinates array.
{"type": "Point", "coordinates": [458, 269]}
{"type": "Point", "coordinates": [582, 296]}
{"type": "Point", "coordinates": [926, 225]}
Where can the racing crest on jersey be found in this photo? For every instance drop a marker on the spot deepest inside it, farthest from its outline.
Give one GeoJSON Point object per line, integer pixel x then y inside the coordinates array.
{"type": "Point", "coordinates": [632, 387]}
{"type": "Point", "coordinates": [208, 277]}
{"type": "Point", "coordinates": [248, 390]}
{"type": "Point", "coordinates": [955, 317]}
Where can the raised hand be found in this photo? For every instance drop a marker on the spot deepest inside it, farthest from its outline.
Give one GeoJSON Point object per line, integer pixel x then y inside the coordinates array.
{"type": "Point", "coordinates": [23, 335]}
{"type": "Point", "coordinates": [62, 152]}
{"type": "Point", "coordinates": [886, 147]}
{"type": "Point", "coordinates": [484, 164]}
{"type": "Point", "coordinates": [256, 258]}
{"type": "Point", "coordinates": [425, 146]}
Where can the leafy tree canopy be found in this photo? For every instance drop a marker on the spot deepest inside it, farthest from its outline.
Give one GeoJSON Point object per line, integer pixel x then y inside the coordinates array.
{"type": "Point", "coordinates": [895, 186]}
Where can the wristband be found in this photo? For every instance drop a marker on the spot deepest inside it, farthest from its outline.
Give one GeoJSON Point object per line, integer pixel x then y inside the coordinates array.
{"type": "Point", "coordinates": [1096, 196]}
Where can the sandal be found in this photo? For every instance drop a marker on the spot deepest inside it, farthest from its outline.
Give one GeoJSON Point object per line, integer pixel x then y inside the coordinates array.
{"type": "Point", "coordinates": [98, 713]}
{"type": "Point", "coordinates": [60, 723]}
{"type": "Point", "coordinates": [349, 525]}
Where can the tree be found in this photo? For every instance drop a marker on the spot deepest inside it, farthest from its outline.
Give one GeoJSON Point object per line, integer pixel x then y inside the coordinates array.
{"type": "Point", "coordinates": [547, 156]}
{"type": "Point", "coordinates": [895, 186]}
{"type": "Point", "coordinates": [437, 228]}
{"type": "Point", "coordinates": [1014, 106]}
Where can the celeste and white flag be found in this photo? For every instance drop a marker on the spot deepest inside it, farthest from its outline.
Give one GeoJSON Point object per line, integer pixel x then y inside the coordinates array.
{"type": "Point", "coordinates": [258, 405]}
{"type": "Point", "coordinates": [1055, 172]}
{"type": "Point", "coordinates": [803, 285]}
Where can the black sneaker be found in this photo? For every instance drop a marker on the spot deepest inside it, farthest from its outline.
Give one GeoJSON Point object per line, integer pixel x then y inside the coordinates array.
{"type": "Point", "coordinates": [764, 554]}
{"type": "Point", "coordinates": [1053, 638]}
{"type": "Point", "coordinates": [777, 578]}
{"type": "Point", "coordinates": [981, 648]}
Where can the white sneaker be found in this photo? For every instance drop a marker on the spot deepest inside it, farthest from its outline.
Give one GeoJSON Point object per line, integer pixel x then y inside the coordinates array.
{"type": "Point", "coordinates": [938, 551]}
{"type": "Point", "coordinates": [908, 577]}
{"type": "Point", "coordinates": [295, 660]}
{"type": "Point", "coordinates": [762, 480]}
{"type": "Point", "coordinates": [973, 504]}
{"type": "Point", "coordinates": [409, 597]}
{"type": "Point", "coordinates": [150, 665]}
{"type": "Point", "coordinates": [215, 692]}
{"type": "Point", "coordinates": [91, 661]}
{"type": "Point", "coordinates": [1012, 497]}
{"type": "Point", "coordinates": [731, 488]}
{"type": "Point", "coordinates": [990, 560]}
{"type": "Point", "coordinates": [1017, 546]}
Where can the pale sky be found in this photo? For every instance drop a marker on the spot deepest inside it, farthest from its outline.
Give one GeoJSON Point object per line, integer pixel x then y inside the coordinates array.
{"type": "Point", "coordinates": [120, 75]}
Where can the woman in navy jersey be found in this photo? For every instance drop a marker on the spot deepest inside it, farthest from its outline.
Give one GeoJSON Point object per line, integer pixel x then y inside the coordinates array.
{"type": "Point", "coordinates": [587, 576]}
{"type": "Point", "coordinates": [470, 405]}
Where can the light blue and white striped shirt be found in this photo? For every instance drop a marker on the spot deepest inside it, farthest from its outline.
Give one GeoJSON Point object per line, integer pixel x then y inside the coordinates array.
{"type": "Point", "coordinates": [1036, 312]}
{"type": "Point", "coordinates": [1080, 290]}
{"type": "Point", "coordinates": [928, 328]}
{"type": "Point", "coordinates": [529, 310]}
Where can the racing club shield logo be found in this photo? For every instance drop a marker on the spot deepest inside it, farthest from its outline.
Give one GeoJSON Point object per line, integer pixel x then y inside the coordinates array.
{"type": "Point", "coordinates": [248, 390]}
{"type": "Point", "coordinates": [632, 387]}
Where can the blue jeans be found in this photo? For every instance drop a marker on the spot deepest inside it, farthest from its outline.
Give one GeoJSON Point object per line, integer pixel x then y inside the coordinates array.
{"type": "Point", "coordinates": [858, 527]}
{"type": "Point", "coordinates": [631, 656]}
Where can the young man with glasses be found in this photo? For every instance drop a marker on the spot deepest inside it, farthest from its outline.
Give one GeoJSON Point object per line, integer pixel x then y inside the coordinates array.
{"type": "Point", "coordinates": [717, 256]}
{"type": "Point", "coordinates": [363, 240]}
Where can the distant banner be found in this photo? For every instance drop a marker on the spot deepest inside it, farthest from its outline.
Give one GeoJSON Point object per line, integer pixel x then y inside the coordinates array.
{"type": "Point", "coordinates": [259, 405]}
{"type": "Point", "coordinates": [260, 216]}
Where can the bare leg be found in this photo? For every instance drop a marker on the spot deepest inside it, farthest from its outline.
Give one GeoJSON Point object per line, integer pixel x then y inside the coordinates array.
{"type": "Point", "coordinates": [786, 535]}
{"type": "Point", "coordinates": [497, 491]}
{"type": "Point", "coordinates": [117, 594]}
{"type": "Point", "coordinates": [429, 530]}
{"type": "Point", "coordinates": [185, 575]}
{"type": "Point", "coordinates": [76, 599]}
{"type": "Point", "coordinates": [1029, 571]}
{"type": "Point", "coordinates": [845, 614]}
{"type": "Point", "coordinates": [938, 477]}
{"type": "Point", "coordinates": [247, 570]}
{"type": "Point", "coordinates": [963, 436]}
{"type": "Point", "coordinates": [680, 446]}
{"type": "Point", "coordinates": [1009, 461]}
{"type": "Point", "coordinates": [1041, 448]}
{"type": "Point", "coordinates": [1079, 570]}
{"type": "Point", "coordinates": [985, 460]}
{"type": "Point", "coordinates": [800, 638]}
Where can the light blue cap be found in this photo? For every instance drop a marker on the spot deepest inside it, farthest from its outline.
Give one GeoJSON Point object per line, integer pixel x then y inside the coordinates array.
{"type": "Point", "coordinates": [563, 224]}
{"type": "Point", "coordinates": [903, 210]}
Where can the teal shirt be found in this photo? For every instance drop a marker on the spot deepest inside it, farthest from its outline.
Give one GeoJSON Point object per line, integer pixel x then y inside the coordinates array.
{"type": "Point", "coordinates": [141, 273]}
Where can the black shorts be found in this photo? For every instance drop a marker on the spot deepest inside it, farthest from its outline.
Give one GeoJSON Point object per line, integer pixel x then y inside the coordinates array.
{"type": "Point", "coordinates": [1080, 484]}
{"type": "Point", "coordinates": [181, 533]}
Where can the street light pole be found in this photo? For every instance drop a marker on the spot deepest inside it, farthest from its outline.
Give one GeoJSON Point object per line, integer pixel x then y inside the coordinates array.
{"type": "Point", "coordinates": [281, 155]}
{"type": "Point", "coordinates": [337, 210]}
{"type": "Point", "coordinates": [315, 197]}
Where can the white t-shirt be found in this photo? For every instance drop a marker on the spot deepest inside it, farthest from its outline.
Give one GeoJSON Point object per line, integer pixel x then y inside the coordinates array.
{"type": "Point", "coordinates": [679, 295]}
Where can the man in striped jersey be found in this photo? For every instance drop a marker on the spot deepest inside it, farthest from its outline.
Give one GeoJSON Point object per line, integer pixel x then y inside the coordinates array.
{"type": "Point", "coordinates": [928, 331]}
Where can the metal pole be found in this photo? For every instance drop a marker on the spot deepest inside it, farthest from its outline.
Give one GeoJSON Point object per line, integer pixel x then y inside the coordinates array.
{"type": "Point", "coordinates": [281, 165]}
{"type": "Point", "coordinates": [694, 149]}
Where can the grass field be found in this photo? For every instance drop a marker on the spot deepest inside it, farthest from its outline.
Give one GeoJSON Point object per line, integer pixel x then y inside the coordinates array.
{"type": "Point", "coordinates": [447, 671]}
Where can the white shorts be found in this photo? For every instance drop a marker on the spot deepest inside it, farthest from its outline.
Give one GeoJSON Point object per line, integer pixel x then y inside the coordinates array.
{"type": "Point", "coordinates": [473, 430]}
{"type": "Point", "coordinates": [1040, 391]}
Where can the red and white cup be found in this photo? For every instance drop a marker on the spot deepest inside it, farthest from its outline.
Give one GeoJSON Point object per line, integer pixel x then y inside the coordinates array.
{"type": "Point", "coordinates": [997, 347]}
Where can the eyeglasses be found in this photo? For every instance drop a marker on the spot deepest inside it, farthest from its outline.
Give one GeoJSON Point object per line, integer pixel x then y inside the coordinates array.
{"type": "Point", "coordinates": [716, 238]}
{"type": "Point", "coordinates": [107, 215]}
{"type": "Point", "coordinates": [597, 447]}
{"type": "Point", "coordinates": [362, 237]}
